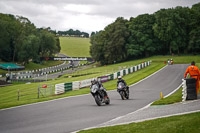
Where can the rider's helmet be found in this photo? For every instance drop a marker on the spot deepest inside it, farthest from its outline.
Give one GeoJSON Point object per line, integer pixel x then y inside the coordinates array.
{"type": "Point", "coordinates": [119, 77]}
{"type": "Point", "coordinates": [93, 80]}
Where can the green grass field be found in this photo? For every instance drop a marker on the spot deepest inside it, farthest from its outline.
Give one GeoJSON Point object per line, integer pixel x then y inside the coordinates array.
{"type": "Point", "coordinates": [75, 46]}
{"type": "Point", "coordinates": [188, 123]}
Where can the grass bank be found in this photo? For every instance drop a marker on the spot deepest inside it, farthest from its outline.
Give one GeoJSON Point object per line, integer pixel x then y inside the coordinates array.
{"type": "Point", "coordinates": [188, 123]}
{"type": "Point", "coordinates": [75, 46]}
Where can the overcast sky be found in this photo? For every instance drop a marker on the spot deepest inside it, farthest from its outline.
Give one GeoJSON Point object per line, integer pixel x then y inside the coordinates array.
{"type": "Point", "coordinates": [84, 15]}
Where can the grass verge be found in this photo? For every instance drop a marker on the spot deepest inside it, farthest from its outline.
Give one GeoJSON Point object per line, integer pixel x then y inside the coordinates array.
{"type": "Point", "coordinates": [188, 123]}
{"type": "Point", "coordinates": [174, 98]}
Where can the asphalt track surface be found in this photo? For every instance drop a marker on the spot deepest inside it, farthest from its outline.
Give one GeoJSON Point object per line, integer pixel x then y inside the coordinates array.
{"type": "Point", "coordinates": [79, 112]}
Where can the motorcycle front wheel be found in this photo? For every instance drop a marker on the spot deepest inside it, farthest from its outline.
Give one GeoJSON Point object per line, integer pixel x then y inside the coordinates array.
{"type": "Point", "coordinates": [122, 95]}
{"type": "Point", "coordinates": [98, 100]}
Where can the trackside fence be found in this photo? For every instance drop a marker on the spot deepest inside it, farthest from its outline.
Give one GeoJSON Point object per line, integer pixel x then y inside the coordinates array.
{"type": "Point", "coordinates": [43, 90]}
{"type": "Point", "coordinates": [64, 87]}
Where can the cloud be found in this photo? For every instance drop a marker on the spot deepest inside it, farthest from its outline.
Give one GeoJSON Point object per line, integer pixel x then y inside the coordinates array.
{"type": "Point", "coordinates": [84, 15]}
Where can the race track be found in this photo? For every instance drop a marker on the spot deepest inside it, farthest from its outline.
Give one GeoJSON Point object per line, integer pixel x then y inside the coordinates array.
{"type": "Point", "coordinates": [79, 112]}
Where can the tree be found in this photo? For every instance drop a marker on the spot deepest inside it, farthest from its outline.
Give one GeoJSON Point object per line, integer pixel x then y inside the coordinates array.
{"type": "Point", "coordinates": [194, 43]}
{"type": "Point", "coordinates": [6, 26]}
{"type": "Point", "coordinates": [172, 27]}
{"type": "Point", "coordinates": [29, 49]}
{"type": "Point", "coordinates": [116, 38]}
{"type": "Point", "coordinates": [97, 45]}
{"type": "Point", "coordinates": [48, 45]}
{"type": "Point", "coordinates": [141, 39]}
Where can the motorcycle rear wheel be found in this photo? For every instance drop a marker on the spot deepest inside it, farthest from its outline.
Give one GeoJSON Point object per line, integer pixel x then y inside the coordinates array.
{"type": "Point", "coordinates": [107, 101]}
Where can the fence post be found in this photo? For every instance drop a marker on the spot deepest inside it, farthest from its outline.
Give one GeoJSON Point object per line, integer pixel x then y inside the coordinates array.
{"type": "Point", "coordinates": [38, 92]}
{"type": "Point", "coordinates": [18, 95]}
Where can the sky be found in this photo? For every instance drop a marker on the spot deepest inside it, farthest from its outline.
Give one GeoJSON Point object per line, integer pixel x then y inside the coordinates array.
{"type": "Point", "coordinates": [84, 15]}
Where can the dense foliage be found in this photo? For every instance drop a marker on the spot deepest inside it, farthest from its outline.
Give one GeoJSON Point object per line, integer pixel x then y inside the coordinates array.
{"type": "Point", "coordinates": [21, 41]}
{"type": "Point", "coordinates": [167, 31]}
{"type": "Point", "coordinates": [72, 32]}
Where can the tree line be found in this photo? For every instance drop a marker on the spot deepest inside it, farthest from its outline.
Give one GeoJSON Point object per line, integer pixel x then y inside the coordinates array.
{"type": "Point", "coordinates": [72, 32]}
{"type": "Point", "coordinates": [167, 31]}
{"type": "Point", "coordinates": [21, 41]}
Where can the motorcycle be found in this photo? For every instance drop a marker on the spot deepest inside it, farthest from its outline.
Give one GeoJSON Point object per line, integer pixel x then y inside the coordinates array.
{"type": "Point", "coordinates": [123, 91]}
{"type": "Point", "coordinates": [99, 95]}
{"type": "Point", "coordinates": [172, 62]}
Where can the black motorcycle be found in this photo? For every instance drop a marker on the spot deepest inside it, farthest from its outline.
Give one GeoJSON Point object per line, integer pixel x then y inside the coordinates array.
{"type": "Point", "coordinates": [123, 90]}
{"type": "Point", "coordinates": [99, 95]}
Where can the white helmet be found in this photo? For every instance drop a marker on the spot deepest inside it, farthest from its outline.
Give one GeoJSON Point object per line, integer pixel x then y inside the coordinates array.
{"type": "Point", "coordinates": [119, 77]}
{"type": "Point", "coordinates": [93, 80]}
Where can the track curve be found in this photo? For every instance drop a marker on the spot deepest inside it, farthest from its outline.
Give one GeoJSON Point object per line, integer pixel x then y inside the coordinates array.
{"type": "Point", "coordinates": [79, 112]}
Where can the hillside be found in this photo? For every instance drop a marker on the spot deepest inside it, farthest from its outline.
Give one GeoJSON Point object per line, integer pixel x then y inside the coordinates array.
{"type": "Point", "coordinates": [75, 47]}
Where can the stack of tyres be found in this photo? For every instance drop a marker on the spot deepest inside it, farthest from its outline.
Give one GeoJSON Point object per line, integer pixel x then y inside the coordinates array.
{"type": "Point", "coordinates": [191, 89]}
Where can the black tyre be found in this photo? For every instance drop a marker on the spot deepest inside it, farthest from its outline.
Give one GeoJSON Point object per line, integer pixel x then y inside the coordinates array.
{"type": "Point", "coordinates": [127, 95]}
{"type": "Point", "coordinates": [189, 91]}
{"type": "Point", "coordinates": [191, 97]}
{"type": "Point", "coordinates": [107, 101]}
{"type": "Point", "coordinates": [98, 100]}
{"type": "Point", "coordinates": [190, 80]}
{"type": "Point", "coordinates": [191, 86]}
{"type": "Point", "coordinates": [122, 95]}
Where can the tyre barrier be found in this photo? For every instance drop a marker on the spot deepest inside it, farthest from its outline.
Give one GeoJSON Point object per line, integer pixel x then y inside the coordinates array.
{"type": "Point", "coordinates": [76, 85]}
{"type": "Point", "coordinates": [189, 88]}
{"type": "Point", "coordinates": [184, 92]}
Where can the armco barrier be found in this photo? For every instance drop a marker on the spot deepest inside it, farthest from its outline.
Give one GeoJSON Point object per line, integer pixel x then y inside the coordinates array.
{"type": "Point", "coordinates": [64, 87]}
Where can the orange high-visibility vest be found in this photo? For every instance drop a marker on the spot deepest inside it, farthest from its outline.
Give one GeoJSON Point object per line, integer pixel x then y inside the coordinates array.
{"type": "Point", "coordinates": [194, 73]}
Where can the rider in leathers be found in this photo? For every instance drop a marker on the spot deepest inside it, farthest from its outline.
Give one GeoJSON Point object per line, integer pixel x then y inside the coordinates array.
{"type": "Point", "coordinates": [121, 80]}
{"type": "Point", "coordinates": [100, 85]}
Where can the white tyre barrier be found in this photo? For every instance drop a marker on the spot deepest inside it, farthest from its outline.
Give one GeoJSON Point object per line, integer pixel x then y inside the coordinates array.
{"type": "Point", "coordinates": [75, 85]}
{"type": "Point", "coordinates": [59, 88]}
{"type": "Point", "coordinates": [184, 91]}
